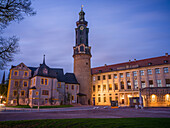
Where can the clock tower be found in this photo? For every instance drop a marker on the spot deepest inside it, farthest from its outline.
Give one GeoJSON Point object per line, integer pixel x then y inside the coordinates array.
{"type": "Point", "coordinates": [82, 60]}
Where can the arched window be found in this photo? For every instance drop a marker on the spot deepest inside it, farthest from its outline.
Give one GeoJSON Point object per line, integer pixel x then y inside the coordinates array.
{"type": "Point", "coordinates": [82, 48]}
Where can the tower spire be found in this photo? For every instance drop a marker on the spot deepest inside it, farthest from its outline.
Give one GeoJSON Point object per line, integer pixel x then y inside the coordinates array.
{"type": "Point", "coordinates": [44, 59]}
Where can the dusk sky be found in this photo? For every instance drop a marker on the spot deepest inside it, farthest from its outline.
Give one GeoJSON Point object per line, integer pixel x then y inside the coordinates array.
{"type": "Point", "coordinates": [119, 30]}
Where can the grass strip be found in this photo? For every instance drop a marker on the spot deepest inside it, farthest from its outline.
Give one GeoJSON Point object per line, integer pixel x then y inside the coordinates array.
{"type": "Point", "coordinates": [90, 123]}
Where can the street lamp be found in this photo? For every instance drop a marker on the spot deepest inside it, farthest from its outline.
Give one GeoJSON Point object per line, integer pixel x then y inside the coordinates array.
{"type": "Point", "coordinates": [39, 99]}
{"type": "Point", "coordinates": [0, 99]}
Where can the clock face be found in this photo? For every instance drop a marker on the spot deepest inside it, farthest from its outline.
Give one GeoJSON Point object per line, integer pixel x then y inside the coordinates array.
{"type": "Point", "coordinates": [45, 71]}
{"type": "Point", "coordinates": [82, 27]}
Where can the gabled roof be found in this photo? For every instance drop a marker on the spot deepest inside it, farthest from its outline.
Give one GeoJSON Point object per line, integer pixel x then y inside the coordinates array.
{"type": "Point", "coordinates": [70, 78]}
{"type": "Point", "coordinates": [133, 64]}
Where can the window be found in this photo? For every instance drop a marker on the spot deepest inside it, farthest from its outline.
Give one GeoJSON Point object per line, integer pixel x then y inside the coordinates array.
{"type": "Point", "coordinates": [136, 84]}
{"type": "Point", "coordinates": [94, 88]}
{"type": "Point", "coordinates": [44, 81]}
{"type": "Point", "coordinates": [72, 97]}
{"type": "Point", "coordinates": [81, 48]}
{"type": "Point", "coordinates": [165, 61]}
{"type": "Point", "coordinates": [26, 73]}
{"type": "Point", "coordinates": [14, 101]}
{"type": "Point", "coordinates": [122, 85]}
{"type": "Point", "coordinates": [25, 83]}
{"type": "Point", "coordinates": [159, 83]}
{"type": "Point", "coordinates": [45, 92]}
{"type": "Point", "coordinates": [157, 70]}
{"type": "Point", "coordinates": [166, 70]}
{"type": "Point", "coordinates": [16, 83]}
{"type": "Point", "coordinates": [15, 93]}
{"type": "Point", "coordinates": [167, 97]}
{"type": "Point", "coordinates": [34, 82]}
{"type": "Point", "coordinates": [151, 83]}
{"type": "Point", "coordinates": [153, 98]}
{"type": "Point", "coordinates": [104, 77]}
{"type": "Point", "coordinates": [104, 99]}
{"type": "Point", "coordinates": [110, 98]}
{"type": "Point", "coordinates": [129, 84]}
{"type": "Point", "coordinates": [98, 77]}
{"type": "Point", "coordinates": [115, 76]}
{"type": "Point", "coordinates": [16, 73]}
{"type": "Point", "coordinates": [127, 74]}
{"type": "Point", "coordinates": [94, 78]}
{"type": "Point", "coordinates": [66, 86]}
{"type": "Point", "coordinates": [142, 73]}
{"type": "Point", "coordinates": [104, 87]}
{"type": "Point", "coordinates": [149, 63]}
{"type": "Point", "coordinates": [143, 84]}
{"type": "Point", "coordinates": [121, 75]}
{"type": "Point", "coordinates": [100, 71]}
{"type": "Point", "coordinates": [116, 86]}
{"type": "Point", "coordinates": [99, 89]}
{"type": "Point", "coordinates": [134, 73]}
{"type": "Point", "coordinates": [72, 87]}
{"type": "Point", "coordinates": [167, 82]}
{"type": "Point", "coordinates": [59, 85]}
{"type": "Point", "coordinates": [110, 87]}
{"type": "Point", "coordinates": [37, 93]}
{"type": "Point", "coordinates": [149, 72]}
{"type": "Point", "coordinates": [22, 93]}
{"type": "Point", "coordinates": [109, 77]}
{"type": "Point", "coordinates": [99, 99]}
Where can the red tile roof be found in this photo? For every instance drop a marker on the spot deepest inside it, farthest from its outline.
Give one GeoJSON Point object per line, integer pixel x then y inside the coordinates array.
{"type": "Point", "coordinates": [133, 64]}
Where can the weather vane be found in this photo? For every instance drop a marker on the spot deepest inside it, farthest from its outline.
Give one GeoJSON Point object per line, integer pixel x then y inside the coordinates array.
{"type": "Point", "coordinates": [82, 7]}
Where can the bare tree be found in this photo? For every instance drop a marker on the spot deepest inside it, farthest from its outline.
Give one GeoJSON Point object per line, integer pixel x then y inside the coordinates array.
{"type": "Point", "coordinates": [11, 10]}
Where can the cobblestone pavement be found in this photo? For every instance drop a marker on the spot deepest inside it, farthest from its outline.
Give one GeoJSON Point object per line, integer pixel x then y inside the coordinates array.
{"type": "Point", "coordinates": [85, 112]}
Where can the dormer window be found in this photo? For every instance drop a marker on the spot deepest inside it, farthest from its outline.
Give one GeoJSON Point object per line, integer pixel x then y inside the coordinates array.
{"type": "Point", "coordinates": [165, 61]}
{"type": "Point", "coordinates": [100, 71]}
{"type": "Point", "coordinates": [149, 63]}
{"type": "Point", "coordinates": [45, 71]}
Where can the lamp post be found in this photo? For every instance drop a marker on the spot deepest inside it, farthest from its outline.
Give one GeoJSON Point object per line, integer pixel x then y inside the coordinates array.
{"type": "Point", "coordinates": [140, 99]}
{"type": "Point", "coordinates": [39, 99]}
{"type": "Point", "coordinates": [0, 99]}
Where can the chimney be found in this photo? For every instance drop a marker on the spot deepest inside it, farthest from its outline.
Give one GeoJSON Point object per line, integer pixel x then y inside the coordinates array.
{"type": "Point", "coordinates": [129, 60]}
{"type": "Point", "coordinates": [105, 65]}
{"type": "Point", "coordinates": [166, 54]}
{"type": "Point", "coordinates": [134, 59]}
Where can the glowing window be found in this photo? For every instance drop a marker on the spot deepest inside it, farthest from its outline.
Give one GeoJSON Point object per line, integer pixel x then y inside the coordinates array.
{"type": "Point", "coordinates": [153, 98]}
{"type": "Point", "coordinates": [167, 97]}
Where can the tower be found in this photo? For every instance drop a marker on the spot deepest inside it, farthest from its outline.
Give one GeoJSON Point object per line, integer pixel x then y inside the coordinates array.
{"type": "Point", "coordinates": [82, 60]}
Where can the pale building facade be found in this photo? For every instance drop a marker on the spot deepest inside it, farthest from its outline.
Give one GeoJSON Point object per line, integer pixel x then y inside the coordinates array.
{"type": "Point", "coordinates": [41, 85]}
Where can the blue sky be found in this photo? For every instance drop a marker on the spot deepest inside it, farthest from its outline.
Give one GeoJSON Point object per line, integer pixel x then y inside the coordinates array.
{"type": "Point", "coordinates": [120, 30]}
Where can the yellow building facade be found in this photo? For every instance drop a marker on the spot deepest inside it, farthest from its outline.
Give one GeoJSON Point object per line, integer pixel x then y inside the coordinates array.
{"type": "Point", "coordinates": [120, 82]}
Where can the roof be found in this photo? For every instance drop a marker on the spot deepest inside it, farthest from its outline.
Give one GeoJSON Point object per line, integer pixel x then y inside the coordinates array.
{"type": "Point", "coordinates": [51, 72]}
{"type": "Point", "coordinates": [70, 78]}
{"type": "Point", "coordinates": [133, 64]}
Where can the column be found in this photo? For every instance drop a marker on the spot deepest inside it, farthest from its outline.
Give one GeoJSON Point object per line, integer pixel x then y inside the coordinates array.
{"type": "Point", "coordinates": [125, 80]}
{"type": "Point", "coordinates": [118, 77]}
{"type": "Point", "coordinates": [162, 77]}
{"type": "Point", "coordinates": [146, 78]}
{"type": "Point", "coordinates": [154, 78]}
{"type": "Point", "coordinates": [139, 79]}
{"type": "Point", "coordinates": [131, 80]}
